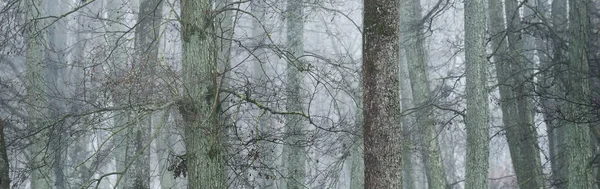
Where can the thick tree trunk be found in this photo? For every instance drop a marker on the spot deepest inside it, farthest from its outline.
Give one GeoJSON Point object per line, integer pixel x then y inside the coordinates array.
{"type": "Point", "coordinates": [199, 104]}
{"type": "Point", "coordinates": [382, 129]}
{"type": "Point", "coordinates": [477, 96]}
{"type": "Point", "coordinates": [41, 176]}
{"type": "Point", "coordinates": [296, 156]}
{"type": "Point", "coordinates": [577, 129]}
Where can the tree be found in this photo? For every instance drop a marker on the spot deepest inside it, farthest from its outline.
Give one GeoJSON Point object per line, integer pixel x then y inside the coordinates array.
{"type": "Point", "coordinates": [578, 138]}
{"type": "Point", "coordinates": [357, 172]}
{"type": "Point", "coordinates": [199, 103]}
{"type": "Point", "coordinates": [407, 120]}
{"type": "Point", "coordinates": [477, 96]}
{"type": "Point", "coordinates": [417, 65]}
{"type": "Point", "coordinates": [513, 78]}
{"type": "Point", "coordinates": [4, 167]}
{"type": "Point", "coordinates": [55, 51]}
{"type": "Point", "coordinates": [382, 127]}
{"type": "Point", "coordinates": [116, 12]}
{"type": "Point", "coordinates": [296, 154]}
{"type": "Point", "coordinates": [147, 39]}
{"type": "Point", "coordinates": [265, 177]}
{"type": "Point", "coordinates": [554, 94]}
{"type": "Point", "coordinates": [36, 95]}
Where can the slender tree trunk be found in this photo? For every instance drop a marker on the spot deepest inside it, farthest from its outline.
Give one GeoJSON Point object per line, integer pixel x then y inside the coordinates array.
{"type": "Point", "coordinates": [382, 129]}
{"type": "Point", "coordinates": [357, 172]}
{"type": "Point", "coordinates": [356, 163]}
{"type": "Point", "coordinates": [417, 66]}
{"type": "Point", "coordinates": [41, 176]}
{"type": "Point", "coordinates": [79, 149]}
{"type": "Point", "coordinates": [512, 73]}
{"type": "Point", "coordinates": [556, 91]}
{"type": "Point", "coordinates": [56, 90]}
{"type": "Point", "coordinates": [164, 148]}
{"type": "Point", "coordinates": [577, 129]}
{"type": "Point", "coordinates": [295, 139]}
{"type": "Point", "coordinates": [4, 166]}
{"type": "Point", "coordinates": [199, 104]}
{"type": "Point", "coordinates": [477, 96]}
{"type": "Point", "coordinates": [147, 37]}
{"type": "Point", "coordinates": [407, 119]}
{"type": "Point", "coordinates": [264, 176]}
{"type": "Point", "coordinates": [115, 11]}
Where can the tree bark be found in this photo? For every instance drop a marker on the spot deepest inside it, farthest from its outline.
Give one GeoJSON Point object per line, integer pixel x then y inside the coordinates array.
{"type": "Point", "coordinates": [357, 171]}
{"type": "Point", "coordinates": [199, 104]}
{"type": "Point", "coordinates": [513, 78]}
{"type": "Point", "coordinates": [295, 137]}
{"type": "Point", "coordinates": [4, 166]}
{"type": "Point", "coordinates": [382, 129]}
{"type": "Point", "coordinates": [577, 129]}
{"type": "Point", "coordinates": [554, 93]}
{"type": "Point", "coordinates": [477, 96]}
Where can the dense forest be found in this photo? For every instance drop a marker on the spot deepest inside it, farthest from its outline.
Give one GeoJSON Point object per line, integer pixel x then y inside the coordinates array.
{"type": "Point", "coordinates": [291, 94]}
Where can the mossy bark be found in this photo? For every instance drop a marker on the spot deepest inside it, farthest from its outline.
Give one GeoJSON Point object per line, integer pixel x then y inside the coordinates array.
{"type": "Point", "coordinates": [199, 104]}
{"type": "Point", "coordinates": [579, 149]}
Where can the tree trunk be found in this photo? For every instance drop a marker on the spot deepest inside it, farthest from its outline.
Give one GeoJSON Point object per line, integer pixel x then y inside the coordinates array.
{"type": "Point", "coordinates": [199, 105]}
{"type": "Point", "coordinates": [295, 139]}
{"type": "Point", "coordinates": [407, 119]}
{"type": "Point", "coordinates": [577, 129]}
{"type": "Point", "coordinates": [164, 146]}
{"type": "Point", "coordinates": [147, 37]}
{"type": "Point", "coordinates": [357, 172]}
{"type": "Point", "coordinates": [4, 166]}
{"type": "Point", "coordinates": [417, 66]}
{"type": "Point", "coordinates": [382, 129]}
{"type": "Point", "coordinates": [57, 90]}
{"type": "Point", "coordinates": [512, 73]}
{"type": "Point", "coordinates": [79, 151]}
{"type": "Point", "coordinates": [477, 96]}
{"type": "Point", "coordinates": [116, 12]}
{"type": "Point", "coordinates": [555, 92]}
{"type": "Point", "coordinates": [41, 176]}
{"type": "Point", "coordinates": [264, 176]}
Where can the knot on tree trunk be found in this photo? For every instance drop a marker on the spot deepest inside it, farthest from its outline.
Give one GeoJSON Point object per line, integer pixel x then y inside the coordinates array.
{"type": "Point", "coordinates": [187, 109]}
